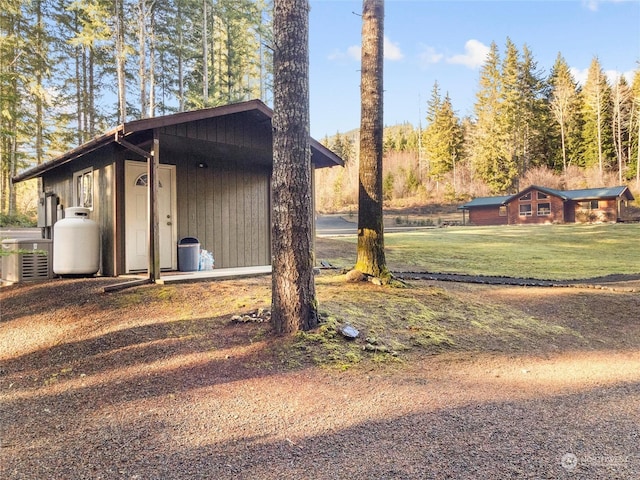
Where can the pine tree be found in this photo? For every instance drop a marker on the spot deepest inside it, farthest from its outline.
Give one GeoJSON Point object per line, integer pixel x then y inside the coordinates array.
{"type": "Point", "coordinates": [11, 17]}
{"type": "Point", "coordinates": [596, 110]}
{"type": "Point", "coordinates": [535, 121]}
{"type": "Point", "coordinates": [120, 54]}
{"type": "Point", "coordinates": [491, 158]}
{"type": "Point", "coordinates": [564, 106]}
{"type": "Point", "coordinates": [622, 108]}
{"type": "Point", "coordinates": [634, 128]}
{"type": "Point", "coordinates": [233, 64]}
{"type": "Point", "coordinates": [510, 111]}
{"type": "Point", "coordinates": [81, 56]}
{"type": "Point", "coordinates": [443, 138]}
{"type": "Point", "coordinates": [24, 70]}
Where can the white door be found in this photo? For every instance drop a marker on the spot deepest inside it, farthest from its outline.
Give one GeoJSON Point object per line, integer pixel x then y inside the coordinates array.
{"type": "Point", "coordinates": [136, 222]}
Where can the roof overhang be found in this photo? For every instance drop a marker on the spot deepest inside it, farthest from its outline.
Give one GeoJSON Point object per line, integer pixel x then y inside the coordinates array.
{"type": "Point", "coordinates": [254, 110]}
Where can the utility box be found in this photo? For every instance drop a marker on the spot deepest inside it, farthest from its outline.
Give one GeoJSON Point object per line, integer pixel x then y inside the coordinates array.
{"type": "Point", "coordinates": [25, 260]}
{"type": "Point", "coordinates": [47, 209]}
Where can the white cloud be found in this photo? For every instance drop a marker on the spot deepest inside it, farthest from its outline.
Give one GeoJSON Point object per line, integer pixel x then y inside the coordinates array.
{"type": "Point", "coordinates": [590, 5]}
{"type": "Point", "coordinates": [339, 55]}
{"type": "Point", "coordinates": [475, 54]}
{"type": "Point", "coordinates": [354, 52]}
{"type": "Point", "coordinates": [580, 76]}
{"type": "Point", "coordinates": [594, 5]}
{"type": "Point", "coordinates": [392, 50]}
{"type": "Point", "coordinates": [429, 55]}
{"type": "Point", "coordinates": [614, 76]}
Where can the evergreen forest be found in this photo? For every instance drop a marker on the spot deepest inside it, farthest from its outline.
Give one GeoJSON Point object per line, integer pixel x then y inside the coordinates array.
{"type": "Point", "coordinates": [527, 128]}
{"type": "Point", "coordinates": [72, 70]}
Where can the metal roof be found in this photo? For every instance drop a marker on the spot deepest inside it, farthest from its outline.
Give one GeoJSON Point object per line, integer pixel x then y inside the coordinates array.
{"type": "Point", "coordinates": [253, 110]}
{"type": "Point", "coordinates": [574, 195]}
{"type": "Point", "coordinates": [485, 202]}
{"type": "Point", "coordinates": [594, 193]}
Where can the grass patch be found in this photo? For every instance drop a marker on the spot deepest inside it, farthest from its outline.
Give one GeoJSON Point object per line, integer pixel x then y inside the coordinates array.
{"type": "Point", "coordinates": [555, 252]}
{"type": "Point", "coordinates": [421, 319]}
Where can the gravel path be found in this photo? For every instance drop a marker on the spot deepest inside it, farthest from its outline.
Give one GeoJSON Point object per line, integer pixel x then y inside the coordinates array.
{"type": "Point", "coordinates": [486, 417]}
{"type": "Point", "coordinates": [152, 398]}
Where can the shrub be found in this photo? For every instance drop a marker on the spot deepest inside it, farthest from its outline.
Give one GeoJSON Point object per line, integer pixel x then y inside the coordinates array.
{"type": "Point", "coordinates": [17, 220]}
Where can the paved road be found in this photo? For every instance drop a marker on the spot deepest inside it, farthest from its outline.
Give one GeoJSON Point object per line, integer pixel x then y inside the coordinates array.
{"type": "Point", "coordinates": [335, 225]}
{"type": "Point", "coordinates": [22, 233]}
{"type": "Point", "coordinates": [332, 225]}
{"type": "Point", "coordinates": [326, 226]}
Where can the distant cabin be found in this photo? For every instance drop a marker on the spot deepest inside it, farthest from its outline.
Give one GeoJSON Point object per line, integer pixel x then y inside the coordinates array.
{"type": "Point", "coordinates": [536, 205]}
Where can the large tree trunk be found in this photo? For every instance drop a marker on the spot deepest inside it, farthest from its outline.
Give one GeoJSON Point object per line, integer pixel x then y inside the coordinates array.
{"type": "Point", "coordinates": [371, 259]}
{"type": "Point", "coordinates": [294, 305]}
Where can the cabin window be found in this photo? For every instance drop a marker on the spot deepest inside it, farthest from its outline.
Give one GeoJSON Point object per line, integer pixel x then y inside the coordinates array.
{"type": "Point", "coordinates": [83, 188]}
{"type": "Point", "coordinates": [502, 211]}
{"type": "Point", "coordinates": [542, 196]}
{"type": "Point", "coordinates": [526, 197]}
{"type": "Point", "coordinates": [525, 210]}
{"type": "Point", "coordinates": [544, 209]}
{"type": "Point", "coordinates": [589, 205]}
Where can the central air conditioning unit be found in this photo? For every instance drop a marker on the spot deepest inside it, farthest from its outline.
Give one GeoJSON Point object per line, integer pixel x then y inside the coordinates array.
{"type": "Point", "coordinates": [25, 260]}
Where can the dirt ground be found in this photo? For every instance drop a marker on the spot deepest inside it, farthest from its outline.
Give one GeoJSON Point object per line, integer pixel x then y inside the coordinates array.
{"type": "Point", "coordinates": [158, 382]}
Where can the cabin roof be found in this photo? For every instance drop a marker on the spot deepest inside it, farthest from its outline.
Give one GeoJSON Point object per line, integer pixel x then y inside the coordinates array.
{"type": "Point", "coordinates": [602, 193]}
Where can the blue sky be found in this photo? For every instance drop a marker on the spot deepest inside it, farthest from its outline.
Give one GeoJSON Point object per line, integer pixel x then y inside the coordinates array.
{"type": "Point", "coordinates": [447, 42]}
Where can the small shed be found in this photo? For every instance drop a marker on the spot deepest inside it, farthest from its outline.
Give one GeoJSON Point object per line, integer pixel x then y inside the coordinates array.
{"type": "Point", "coordinates": [149, 183]}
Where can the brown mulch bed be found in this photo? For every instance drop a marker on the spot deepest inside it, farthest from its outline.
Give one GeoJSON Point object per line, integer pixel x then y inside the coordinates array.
{"type": "Point", "coordinates": [159, 383]}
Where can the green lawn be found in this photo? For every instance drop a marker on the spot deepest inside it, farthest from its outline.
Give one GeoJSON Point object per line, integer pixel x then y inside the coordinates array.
{"type": "Point", "coordinates": [556, 252]}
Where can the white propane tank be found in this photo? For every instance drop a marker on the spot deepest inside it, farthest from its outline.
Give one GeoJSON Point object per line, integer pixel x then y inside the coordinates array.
{"type": "Point", "coordinates": [76, 243]}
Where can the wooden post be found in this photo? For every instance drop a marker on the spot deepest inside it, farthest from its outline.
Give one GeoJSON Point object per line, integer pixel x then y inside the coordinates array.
{"type": "Point", "coordinates": [154, 224]}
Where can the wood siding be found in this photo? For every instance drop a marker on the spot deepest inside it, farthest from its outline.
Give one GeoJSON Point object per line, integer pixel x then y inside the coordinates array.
{"type": "Point", "coordinates": [607, 211]}
{"type": "Point", "coordinates": [556, 214]}
{"type": "Point", "coordinates": [229, 130]}
{"type": "Point", "coordinates": [227, 209]}
{"type": "Point", "coordinates": [60, 182]}
{"type": "Point", "coordinates": [486, 216]}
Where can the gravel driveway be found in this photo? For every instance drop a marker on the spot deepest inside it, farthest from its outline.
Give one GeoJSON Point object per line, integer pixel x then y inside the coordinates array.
{"type": "Point", "coordinates": [123, 390]}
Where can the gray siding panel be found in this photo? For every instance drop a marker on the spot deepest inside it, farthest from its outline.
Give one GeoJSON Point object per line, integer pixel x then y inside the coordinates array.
{"type": "Point", "coordinates": [226, 208]}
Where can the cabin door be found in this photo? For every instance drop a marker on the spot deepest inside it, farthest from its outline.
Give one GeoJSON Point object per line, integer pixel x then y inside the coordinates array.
{"type": "Point", "coordinates": [136, 216]}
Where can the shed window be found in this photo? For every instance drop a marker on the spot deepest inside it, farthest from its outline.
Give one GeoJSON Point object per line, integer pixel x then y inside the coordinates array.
{"type": "Point", "coordinates": [525, 210]}
{"type": "Point", "coordinates": [544, 209]}
{"type": "Point", "coordinates": [542, 196]}
{"type": "Point", "coordinates": [502, 211]}
{"type": "Point", "coordinates": [526, 196]}
{"type": "Point", "coordinates": [83, 188]}
{"type": "Point", "coordinates": [143, 181]}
